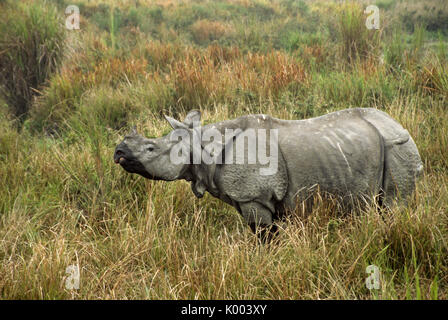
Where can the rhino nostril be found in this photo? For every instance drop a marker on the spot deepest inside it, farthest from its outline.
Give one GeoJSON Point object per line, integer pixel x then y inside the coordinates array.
{"type": "Point", "coordinates": [118, 156]}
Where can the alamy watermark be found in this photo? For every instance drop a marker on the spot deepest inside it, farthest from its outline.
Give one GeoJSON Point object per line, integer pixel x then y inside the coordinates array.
{"type": "Point", "coordinates": [373, 18]}
{"type": "Point", "coordinates": [72, 21]}
{"type": "Point", "coordinates": [209, 146]}
{"type": "Point", "coordinates": [373, 280]}
{"type": "Point", "coordinates": [73, 277]}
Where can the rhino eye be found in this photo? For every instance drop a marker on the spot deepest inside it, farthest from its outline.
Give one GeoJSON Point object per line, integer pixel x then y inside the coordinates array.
{"type": "Point", "coordinates": [150, 149]}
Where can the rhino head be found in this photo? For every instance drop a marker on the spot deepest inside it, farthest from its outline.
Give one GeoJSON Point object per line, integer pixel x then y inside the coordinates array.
{"type": "Point", "coordinates": [150, 158]}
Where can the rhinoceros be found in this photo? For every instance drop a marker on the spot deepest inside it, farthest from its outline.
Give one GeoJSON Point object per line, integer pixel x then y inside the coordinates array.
{"type": "Point", "coordinates": [358, 153]}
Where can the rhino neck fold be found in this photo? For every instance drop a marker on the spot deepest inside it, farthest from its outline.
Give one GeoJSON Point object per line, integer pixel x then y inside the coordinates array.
{"type": "Point", "coordinates": [202, 179]}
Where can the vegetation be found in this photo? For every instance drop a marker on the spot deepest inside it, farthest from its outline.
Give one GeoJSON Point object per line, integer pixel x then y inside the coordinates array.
{"type": "Point", "coordinates": [31, 45]}
{"type": "Point", "coordinates": [64, 202]}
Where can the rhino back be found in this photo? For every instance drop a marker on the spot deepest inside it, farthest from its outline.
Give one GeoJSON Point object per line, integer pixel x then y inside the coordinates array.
{"type": "Point", "coordinates": [340, 153]}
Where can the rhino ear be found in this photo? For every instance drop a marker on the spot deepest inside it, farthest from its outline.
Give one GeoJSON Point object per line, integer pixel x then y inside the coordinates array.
{"type": "Point", "coordinates": [175, 124]}
{"type": "Point", "coordinates": [193, 117]}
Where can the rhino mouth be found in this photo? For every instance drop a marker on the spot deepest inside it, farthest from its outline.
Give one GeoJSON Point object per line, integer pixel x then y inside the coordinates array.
{"type": "Point", "coordinates": [120, 160]}
{"type": "Point", "coordinates": [132, 165]}
{"type": "Point", "coordinates": [135, 166]}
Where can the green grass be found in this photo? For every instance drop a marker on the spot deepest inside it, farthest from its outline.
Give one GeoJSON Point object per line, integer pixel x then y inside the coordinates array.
{"type": "Point", "coordinates": [31, 46]}
{"type": "Point", "coordinates": [63, 201]}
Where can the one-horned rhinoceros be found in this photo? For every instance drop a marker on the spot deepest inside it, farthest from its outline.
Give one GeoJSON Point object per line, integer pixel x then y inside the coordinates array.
{"type": "Point", "coordinates": [265, 166]}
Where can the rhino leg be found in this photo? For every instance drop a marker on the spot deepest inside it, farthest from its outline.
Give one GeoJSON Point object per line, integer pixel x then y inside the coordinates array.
{"type": "Point", "coordinates": [259, 219]}
{"type": "Point", "coordinates": [265, 233]}
{"type": "Point", "coordinates": [256, 213]}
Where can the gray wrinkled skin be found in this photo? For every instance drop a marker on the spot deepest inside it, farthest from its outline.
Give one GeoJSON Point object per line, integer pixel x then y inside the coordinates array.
{"type": "Point", "coordinates": [353, 154]}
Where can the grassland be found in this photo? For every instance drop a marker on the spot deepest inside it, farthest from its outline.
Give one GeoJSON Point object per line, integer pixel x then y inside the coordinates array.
{"type": "Point", "coordinates": [64, 202]}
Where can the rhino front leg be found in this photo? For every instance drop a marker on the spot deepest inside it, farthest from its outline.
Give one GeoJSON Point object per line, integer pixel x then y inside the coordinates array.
{"type": "Point", "coordinates": [259, 219]}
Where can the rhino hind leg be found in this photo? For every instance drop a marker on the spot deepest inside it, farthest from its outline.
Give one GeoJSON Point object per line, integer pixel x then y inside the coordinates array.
{"type": "Point", "coordinates": [402, 168]}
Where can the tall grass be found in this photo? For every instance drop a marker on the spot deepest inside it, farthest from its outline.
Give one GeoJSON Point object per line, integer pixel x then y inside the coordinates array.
{"type": "Point", "coordinates": [31, 45]}
{"type": "Point", "coordinates": [130, 242]}
{"type": "Point", "coordinates": [176, 78]}
{"type": "Point", "coordinates": [356, 41]}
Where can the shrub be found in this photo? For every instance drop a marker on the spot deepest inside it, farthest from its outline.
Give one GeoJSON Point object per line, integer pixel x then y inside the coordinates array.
{"type": "Point", "coordinates": [31, 46]}
{"type": "Point", "coordinates": [385, 4]}
{"type": "Point", "coordinates": [56, 104]}
{"type": "Point", "coordinates": [62, 97]}
{"type": "Point", "coordinates": [183, 16]}
{"type": "Point", "coordinates": [394, 51]}
{"type": "Point", "coordinates": [205, 31]}
{"type": "Point", "coordinates": [433, 78]}
{"type": "Point", "coordinates": [224, 76]}
{"type": "Point", "coordinates": [262, 10]}
{"type": "Point", "coordinates": [433, 14]}
{"type": "Point", "coordinates": [295, 6]}
{"type": "Point", "coordinates": [357, 42]}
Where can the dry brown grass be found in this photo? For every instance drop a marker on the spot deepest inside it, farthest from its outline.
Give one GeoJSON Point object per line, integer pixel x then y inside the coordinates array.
{"type": "Point", "coordinates": [205, 31]}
